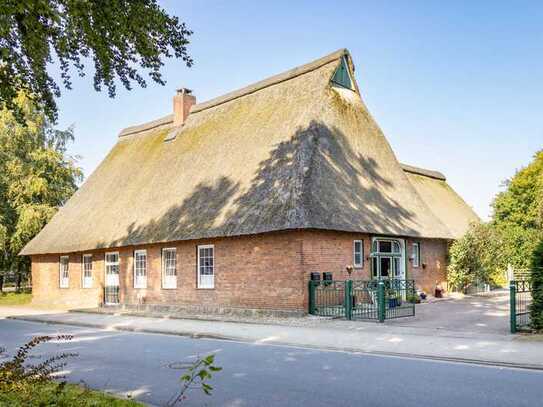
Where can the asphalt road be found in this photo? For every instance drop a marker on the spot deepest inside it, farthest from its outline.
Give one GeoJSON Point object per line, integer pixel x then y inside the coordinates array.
{"type": "Point", "coordinates": [146, 366]}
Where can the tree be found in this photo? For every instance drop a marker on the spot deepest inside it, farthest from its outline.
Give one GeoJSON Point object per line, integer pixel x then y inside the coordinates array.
{"type": "Point", "coordinates": [119, 36]}
{"type": "Point", "coordinates": [477, 257]}
{"type": "Point", "coordinates": [511, 236]}
{"type": "Point", "coordinates": [36, 177]}
{"type": "Point", "coordinates": [536, 309]}
{"type": "Point", "coordinates": [521, 203]}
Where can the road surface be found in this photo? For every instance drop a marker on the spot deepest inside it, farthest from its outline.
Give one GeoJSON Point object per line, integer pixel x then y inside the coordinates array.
{"type": "Point", "coordinates": [146, 366]}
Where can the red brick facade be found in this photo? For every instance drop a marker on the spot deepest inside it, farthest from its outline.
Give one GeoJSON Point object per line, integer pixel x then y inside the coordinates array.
{"type": "Point", "coordinates": [267, 271]}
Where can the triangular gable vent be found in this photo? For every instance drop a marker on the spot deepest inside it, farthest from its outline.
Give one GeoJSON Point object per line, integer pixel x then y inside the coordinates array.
{"type": "Point", "coordinates": [342, 76]}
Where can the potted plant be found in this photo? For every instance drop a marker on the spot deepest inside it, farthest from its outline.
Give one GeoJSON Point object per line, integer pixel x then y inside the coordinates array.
{"type": "Point", "coordinates": [393, 300]}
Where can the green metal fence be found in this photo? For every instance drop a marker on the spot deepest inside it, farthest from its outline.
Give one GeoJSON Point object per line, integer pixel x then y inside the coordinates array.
{"type": "Point", "coordinates": [520, 298]}
{"type": "Point", "coordinates": [362, 299]}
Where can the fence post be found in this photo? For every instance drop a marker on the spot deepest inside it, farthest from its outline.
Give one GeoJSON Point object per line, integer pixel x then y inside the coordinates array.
{"type": "Point", "coordinates": [311, 302]}
{"type": "Point", "coordinates": [513, 306]}
{"type": "Point", "coordinates": [381, 300]}
{"type": "Point", "coordinates": [348, 301]}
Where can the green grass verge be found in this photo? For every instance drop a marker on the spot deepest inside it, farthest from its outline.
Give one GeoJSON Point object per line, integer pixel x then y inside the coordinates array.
{"type": "Point", "coordinates": [71, 395]}
{"type": "Point", "coordinates": [15, 298]}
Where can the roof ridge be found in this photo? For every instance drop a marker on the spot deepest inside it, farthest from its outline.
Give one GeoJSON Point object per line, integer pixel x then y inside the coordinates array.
{"type": "Point", "coordinates": [424, 172]}
{"type": "Point", "coordinates": [270, 81]}
{"type": "Point", "coordinates": [252, 88]}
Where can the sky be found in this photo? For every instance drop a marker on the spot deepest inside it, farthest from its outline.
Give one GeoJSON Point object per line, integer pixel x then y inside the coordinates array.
{"type": "Point", "coordinates": [455, 86]}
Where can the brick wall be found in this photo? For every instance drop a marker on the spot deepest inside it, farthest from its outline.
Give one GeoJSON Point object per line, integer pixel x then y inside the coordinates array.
{"type": "Point", "coordinates": [267, 271]}
{"type": "Point", "coordinates": [433, 264]}
{"type": "Point", "coordinates": [257, 272]}
{"type": "Point", "coordinates": [46, 282]}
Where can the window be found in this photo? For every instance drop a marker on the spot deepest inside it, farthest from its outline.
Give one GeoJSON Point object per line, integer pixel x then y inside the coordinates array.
{"type": "Point", "coordinates": [112, 269]}
{"type": "Point", "coordinates": [206, 271]}
{"type": "Point", "coordinates": [387, 258]}
{"type": "Point", "coordinates": [169, 268]}
{"type": "Point", "coordinates": [87, 271]}
{"type": "Point", "coordinates": [140, 269]}
{"type": "Point", "coordinates": [416, 254]}
{"type": "Point", "coordinates": [358, 253]}
{"type": "Point", "coordinates": [64, 272]}
{"type": "Point", "coordinates": [342, 76]}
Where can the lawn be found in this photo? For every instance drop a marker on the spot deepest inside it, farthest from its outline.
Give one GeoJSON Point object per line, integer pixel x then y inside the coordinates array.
{"type": "Point", "coordinates": [15, 299]}
{"type": "Point", "coordinates": [72, 395]}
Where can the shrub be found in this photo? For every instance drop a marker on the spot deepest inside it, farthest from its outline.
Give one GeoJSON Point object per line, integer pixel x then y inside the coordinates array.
{"type": "Point", "coordinates": [478, 256]}
{"type": "Point", "coordinates": [536, 309]}
{"type": "Point", "coordinates": [197, 375]}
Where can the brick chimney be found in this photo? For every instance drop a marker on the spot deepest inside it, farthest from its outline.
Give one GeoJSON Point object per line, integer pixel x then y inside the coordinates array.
{"type": "Point", "coordinates": [182, 102]}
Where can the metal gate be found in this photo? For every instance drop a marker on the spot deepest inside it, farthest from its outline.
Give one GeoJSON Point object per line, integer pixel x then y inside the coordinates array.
{"type": "Point", "coordinates": [362, 299]}
{"type": "Point", "coordinates": [520, 301]}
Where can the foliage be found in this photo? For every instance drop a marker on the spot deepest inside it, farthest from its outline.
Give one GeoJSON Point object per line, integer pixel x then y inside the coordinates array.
{"type": "Point", "coordinates": [48, 394]}
{"type": "Point", "coordinates": [36, 177]}
{"type": "Point", "coordinates": [521, 204]}
{"type": "Point", "coordinates": [510, 238]}
{"type": "Point", "coordinates": [196, 377]}
{"type": "Point", "coordinates": [477, 257]}
{"type": "Point", "coordinates": [17, 375]}
{"type": "Point", "coordinates": [412, 299]}
{"type": "Point", "coordinates": [23, 384]}
{"type": "Point", "coordinates": [536, 309]}
{"type": "Point", "coordinates": [118, 36]}
{"type": "Point", "coordinates": [15, 298]}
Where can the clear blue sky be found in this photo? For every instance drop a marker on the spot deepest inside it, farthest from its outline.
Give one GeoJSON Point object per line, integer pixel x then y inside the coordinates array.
{"type": "Point", "coordinates": [455, 86]}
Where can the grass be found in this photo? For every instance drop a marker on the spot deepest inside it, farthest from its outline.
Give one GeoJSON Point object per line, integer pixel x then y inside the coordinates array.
{"type": "Point", "coordinates": [15, 299]}
{"type": "Point", "coordinates": [72, 395]}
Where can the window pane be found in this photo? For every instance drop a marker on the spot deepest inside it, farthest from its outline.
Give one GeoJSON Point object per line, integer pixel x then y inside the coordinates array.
{"type": "Point", "coordinates": [206, 267]}
{"type": "Point", "coordinates": [358, 253]}
{"type": "Point", "coordinates": [64, 272]}
{"type": "Point", "coordinates": [385, 246]}
{"type": "Point", "coordinates": [140, 269]}
{"type": "Point", "coordinates": [169, 264]}
{"type": "Point", "coordinates": [416, 254]}
{"type": "Point", "coordinates": [87, 271]}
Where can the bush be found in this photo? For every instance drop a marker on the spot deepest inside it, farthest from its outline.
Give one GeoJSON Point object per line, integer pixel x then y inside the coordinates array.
{"type": "Point", "coordinates": [536, 309]}
{"type": "Point", "coordinates": [477, 257]}
{"type": "Point", "coordinates": [16, 375]}
{"type": "Point", "coordinates": [23, 384]}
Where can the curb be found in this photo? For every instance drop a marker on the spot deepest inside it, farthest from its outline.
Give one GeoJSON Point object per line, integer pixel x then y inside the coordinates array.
{"type": "Point", "coordinates": [196, 335]}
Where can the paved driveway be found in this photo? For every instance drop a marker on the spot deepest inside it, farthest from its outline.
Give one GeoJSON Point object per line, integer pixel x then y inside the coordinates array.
{"type": "Point", "coordinates": [471, 314]}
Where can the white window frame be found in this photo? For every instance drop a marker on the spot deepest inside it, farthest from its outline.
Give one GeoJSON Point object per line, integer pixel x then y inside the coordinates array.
{"type": "Point", "coordinates": [361, 264]}
{"type": "Point", "coordinates": [169, 281]}
{"type": "Point", "coordinates": [140, 280]}
{"type": "Point", "coordinates": [109, 277]}
{"type": "Point", "coordinates": [86, 280]}
{"type": "Point", "coordinates": [206, 281]}
{"type": "Point", "coordinates": [64, 275]}
{"type": "Point", "coordinates": [416, 254]}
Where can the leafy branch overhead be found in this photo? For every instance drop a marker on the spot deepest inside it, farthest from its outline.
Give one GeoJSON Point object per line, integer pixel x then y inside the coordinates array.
{"type": "Point", "coordinates": [118, 37]}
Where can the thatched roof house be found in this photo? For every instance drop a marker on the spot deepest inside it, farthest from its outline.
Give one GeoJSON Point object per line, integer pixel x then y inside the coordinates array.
{"type": "Point", "coordinates": [295, 151]}
{"type": "Point", "coordinates": [235, 202]}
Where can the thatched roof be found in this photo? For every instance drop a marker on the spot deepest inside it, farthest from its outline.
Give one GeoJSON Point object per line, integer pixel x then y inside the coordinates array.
{"type": "Point", "coordinates": [291, 152]}
{"type": "Point", "coordinates": [442, 200]}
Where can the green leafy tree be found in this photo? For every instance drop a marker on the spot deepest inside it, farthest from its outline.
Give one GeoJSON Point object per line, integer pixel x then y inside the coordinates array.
{"type": "Point", "coordinates": [477, 257]}
{"type": "Point", "coordinates": [36, 177]}
{"type": "Point", "coordinates": [117, 36]}
{"type": "Point", "coordinates": [536, 309]}
{"type": "Point", "coordinates": [510, 238]}
{"type": "Point", "coordinates": [521, 204]}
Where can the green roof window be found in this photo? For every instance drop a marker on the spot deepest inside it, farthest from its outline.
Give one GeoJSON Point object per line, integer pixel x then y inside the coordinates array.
{"type": "Point", "coordinates": [342, 76]}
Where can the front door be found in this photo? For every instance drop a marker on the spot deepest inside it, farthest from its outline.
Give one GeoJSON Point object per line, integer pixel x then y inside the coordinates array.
{"type": "Point", "coordinates": [385, 267]}
{"type": "Point", "coordinates": [388, 259]}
